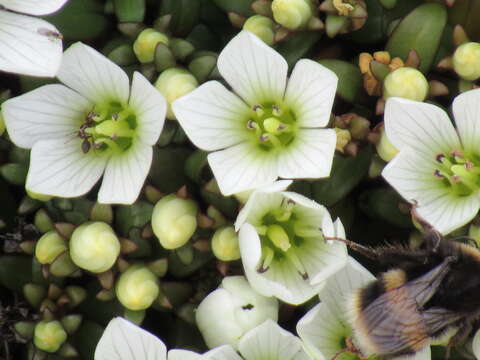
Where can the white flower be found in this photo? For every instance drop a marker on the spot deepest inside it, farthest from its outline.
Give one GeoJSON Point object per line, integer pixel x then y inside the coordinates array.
{"type": "Point", "coordinates": [437, 167]}
{"type": "Point", "coordinates": [227, 313]}
{"type": "Point", "coordinates": [326, 328]}
{"type": "Point", "coordinates": [28, 45]}
{"type": "Point", "coordinates": [268, 129]}
{"type": "Point", "coordinates": [97, 124]}
{"type": "Point", "coordinates": [282, 244]}
{"type": "Point", "coordinates": [123, 340]}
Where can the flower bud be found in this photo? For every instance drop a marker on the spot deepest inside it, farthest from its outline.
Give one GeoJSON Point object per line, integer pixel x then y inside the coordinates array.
{"type": "Point", "coordinates": [174, 83]}
{"type": "Point", "coordinates": [406, 82]}
{"type": "Point", "coordinates": [174, 220]}
{"type": "Point", "coordinates": [385, 149]}
{"type": "Point", "coordinates": [292, 14]}
{"type": "Point", "coordinates": [146, 42]}
{"type": "Point", "coordinates": [225, 244]}
{"type": "Point", "coordinates": [261, 26]}
{"type": "Point", "coordinates": [94, 247]}
{"type": "Point", "coordinates": [466, 61]}
{"type": "Point", "coordinates": [49, 336]}
{"type": "Point", "coordinates": [227, 313]}
{"type": "Point", "coordinates": [49, 246]}
{"type": "Point", "coordinates": [137, 288]}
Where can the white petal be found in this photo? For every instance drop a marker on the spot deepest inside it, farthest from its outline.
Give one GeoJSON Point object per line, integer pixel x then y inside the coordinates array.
{"type": "Point", "coordinates": [49, 112]}
{"type": "Point", "coordinates": [270, 341]}
{"type": "Point", "coordinates": [310, 93]}
{"type": "Point", "coordinates": [309, 156]}
{"type": "Point", "coordinates": [259, 195]}
{"type": "Point", "coordinates": [122, 340]}
{"type": "Point", "coordinates": [213, 117]}
{"type": "Point", "coordinates": [33, 7]}
{"type": "Point", "coordinates": [281, 280]}
{"type": "Point", "coordinates": [413, 178]}
{"type": "Point", "coordinates": [93, 75]}
{"type": "Point", "coordinates": [125, 174]}
{"type": "Point", "coordinates": [225, 352]}
{"type": "Point", "coordinates": [476, 344]}
{"type": "Point", "coordinates": [28, 46]}
{"type": "Point", "coordinates": [340, 286]}
{"type": "Point", "coordinates": [240, 167]}
{"type": "Point", "coordinates": [60, 168]}
{"type": "Point", "coordinates": [177, 354]}
{"type": "Point", "coordinates": [323, 332]}
{"type": "Point", "coordinates": [423, 127]}
{"type": "Point", "coordinates": [447, 213]}
{"type": "Point", "coordinates": [466, 108]}
{"type": "Point", "coordinates": [253, 69]}
{"type": "Point", "coordinates": [150, 108]}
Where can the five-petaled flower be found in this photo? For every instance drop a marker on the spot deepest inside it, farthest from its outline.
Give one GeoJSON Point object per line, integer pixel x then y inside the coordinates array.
{"type": "Point", "coordinates": [94, 125]}
{"type": "Point", "coordinates": [438, 166]}
{"type": "Point", "coordinates": [28, 45]}
{"type": "Point", "coordinates": [283, 244]}
{"type": "Point", "coordinates": [270, 129]}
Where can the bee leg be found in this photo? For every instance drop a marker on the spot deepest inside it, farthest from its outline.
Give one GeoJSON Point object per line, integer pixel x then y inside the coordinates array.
{"type": "Point", "coordinates": [364, 250]}
{"type": "Point", "coordinates": [431, 235]}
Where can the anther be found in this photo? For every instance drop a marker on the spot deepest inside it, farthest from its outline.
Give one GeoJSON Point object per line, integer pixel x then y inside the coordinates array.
{"type": "Point", "coordinates": [438, 174]}
{"type": "Point", "coordinates": [440, 157]}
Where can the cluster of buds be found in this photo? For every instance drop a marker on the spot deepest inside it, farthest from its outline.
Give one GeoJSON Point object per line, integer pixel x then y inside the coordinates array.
{"type": "Point", "coordinates": [465, 61]}
{"type": "Point", "coordinates": [352, 131]}
{"type": "Point", "coordinates": [274, 20]}
{"type": "Point", "coordinates": [343, 16]}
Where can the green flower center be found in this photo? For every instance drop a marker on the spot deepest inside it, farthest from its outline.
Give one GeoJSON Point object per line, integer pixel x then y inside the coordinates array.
{"type": "Point", "coordinates": [273, 126]}
{"type": "Point", "coordinates": [282, 232]}
{"type": "Point", "coordinates": [109, 127]}
{"type": "Point", "coordinates": [459, 172]}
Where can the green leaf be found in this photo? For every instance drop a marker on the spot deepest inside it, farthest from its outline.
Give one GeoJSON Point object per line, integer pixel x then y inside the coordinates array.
{"type": "Point", "coordinates": [349, 78]}
{"type": "Point", "coordinates": [297, 45]}
{"type": "Point", "coordinates": [131, 216]}
{"type": "Point", "coordinates": [383, 203]}
{"type": "Point", "coordinates": [15, 271]}
{"type": "Point", "coordinates": [129, 10]}
{"type": "Point", "coordinates": [241, 7]}
{"type": "Point", "coordinates": [167, 172]}
{"type": "Point", "coordinates": [421, 30]}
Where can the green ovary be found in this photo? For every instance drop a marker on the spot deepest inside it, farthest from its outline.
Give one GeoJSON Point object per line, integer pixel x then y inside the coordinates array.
{"type": "Point", "coordinates": [282, 232]}
{"type": "Point", "coordinates": [272, 126]}
{"type": "Point", "coordinates": [108, 128]}
{"type": "Point", "coordinates": [458, 171]}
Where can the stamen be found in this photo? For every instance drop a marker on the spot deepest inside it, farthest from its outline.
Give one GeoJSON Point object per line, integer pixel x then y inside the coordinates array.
{"type": "Point", "coordinates": [276, 110]}
{"type": "Point", "coordinates": [268, 255]}
{"type": "Point", "coordinates": [292, 256]}
{"type": "Point", "coordinates": [306, 231]}
{"type": "Point", "coordinates": [258, 110]}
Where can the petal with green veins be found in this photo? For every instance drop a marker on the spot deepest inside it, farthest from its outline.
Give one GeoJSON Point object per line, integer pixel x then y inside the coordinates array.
{"type": "Point", "coordinates": [33, 7]}
{"type": "Point", "coordinates": [25, 47]}
{"type": "Point", "coordinates": [310, 93]}
{"type": "Point", "coordinates": [423, 127]}
{"type": "Point", "coordinates": [93, 75]}
{"type": "Point", "coordinates": [213, 117]}
{"type": "Point", "coordinates": [125, 174]}
{"type": "Point", "coordinates": [49, 112]}
{"type": "Point", "coordinates": [466, 110]}
{"type": "Point", "coordinates": [253, 69]}
{"type": "Point", "coordinates": [122, 340]}
{"type": "Point", "coordinates": [310, 155]}
{"type": "Point", "coordinates": [149, 107]}
{"type": "Point", "coordinates": [60, 168]}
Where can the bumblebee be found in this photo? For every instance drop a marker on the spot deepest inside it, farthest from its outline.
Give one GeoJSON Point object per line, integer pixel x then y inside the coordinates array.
{"type": "Point", "coordinates": [427, 293]}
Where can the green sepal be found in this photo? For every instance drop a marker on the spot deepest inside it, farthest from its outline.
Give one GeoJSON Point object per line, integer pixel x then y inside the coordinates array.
{"type": "Point", "coordinates": [129, 10]}
{"type": "Point", "coordinates": [164, 57]}
{"type": "Point", "coordinates": [185, 15]}
{"type": "Point", "coordinates": [14, 173]}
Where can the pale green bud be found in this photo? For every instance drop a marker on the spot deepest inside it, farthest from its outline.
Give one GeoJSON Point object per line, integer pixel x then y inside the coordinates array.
{"type": "Point", "coordinates": [2, 125]}
{"type": "Point", "coordinates": [49, 336]}
{"type": "Point", "coordinates": [174, 83]}
{"type": "Point", "coordinates": [406, 82]}
{"type": "Point", "coordinates": [146, 42]}
{"type": "Point", "coordinates": [261, 26]}
{"type": "Point", "coordinates": [137, 288]}
{"type": "Point", "coordinates": [385, 149]}
{"type": "Point", "coordinates": [466, 61]}
{"type": "Point", "coordinates": [49, 246]}
{"type": "Point", "coordinates": [225, 244]}
{"type": "Point", "coordinates": [292, 14]}
{"type": "Point", "coordinates": [94, 247]}
{"type": "Point", "coordinates": [174, 220]}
